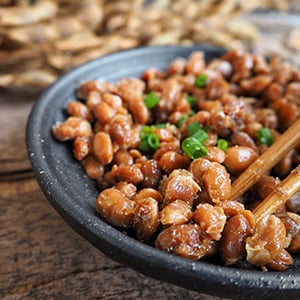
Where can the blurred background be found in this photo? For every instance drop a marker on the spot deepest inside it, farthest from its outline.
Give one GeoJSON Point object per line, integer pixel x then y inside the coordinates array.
{"type": "Point", "coordinates": [39, 40]}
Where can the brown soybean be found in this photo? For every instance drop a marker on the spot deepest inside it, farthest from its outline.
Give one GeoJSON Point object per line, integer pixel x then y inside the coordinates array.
{"type": "Point", "coordinates": [71, 128]}
{"type": "Point", "coordinates": [115, 207]}
{"type": "Point", "coordinates": [174, 190]}
{"type": "Point", "coordinates": [238, 158]}
{"type": "Point", "coordinates": [103, 148]}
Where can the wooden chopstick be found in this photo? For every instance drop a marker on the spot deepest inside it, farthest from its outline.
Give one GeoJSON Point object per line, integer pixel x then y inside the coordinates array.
{"type": "Point", "coordinates": [286, 142]}
{"type": "Point", "coordinates": [285, 190]}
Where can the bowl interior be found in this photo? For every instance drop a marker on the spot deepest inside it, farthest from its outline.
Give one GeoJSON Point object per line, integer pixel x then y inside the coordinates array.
{"type": "Point", "coordinates": [73, 194]}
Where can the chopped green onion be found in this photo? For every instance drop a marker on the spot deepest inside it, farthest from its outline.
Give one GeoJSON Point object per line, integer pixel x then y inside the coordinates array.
{"type": "Point", "coordinates": [191, 113]}
{"type": "Point", "coordinates": [161, 125]}
{"type": "Point", "coordinates": [222, 144]}
{"type": "Point", "coordinates": [145, 130]}
{"type": "Point", "coordinates": [201, 81]}
{"type": "Point", "coordinates": [265, 136]}
{"type": "Point", "coordinates": [153, 141]}
{"type": "Point", "coordinates": [193, 148]}
{"type": "Point", "coordinates": [200, 135]}
{"type": "Point", "coordinates": [143, 146]}
{"type": "Point", "coordinates": [192, 128]}
{"type": "Point", "coordinates": [181, 121]}
{"type": "Point", "coordinates": [149, 140]}
{"type": "Point", "coordinates": [189, 146]}
{"type": "Point", "coordinates": [202, 151]}
{"type": "Point", "coordinates": [191, 100]}
{"type": "Point", "coordinates": [151, 100]}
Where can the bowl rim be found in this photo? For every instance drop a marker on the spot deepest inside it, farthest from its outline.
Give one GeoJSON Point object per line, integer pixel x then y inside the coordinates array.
{"type": "Point", "coordinates": [199, 276]}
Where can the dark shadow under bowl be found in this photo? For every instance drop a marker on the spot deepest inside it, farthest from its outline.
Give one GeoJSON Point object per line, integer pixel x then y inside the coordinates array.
{"type": "Point", "coordinates": [73, 195]}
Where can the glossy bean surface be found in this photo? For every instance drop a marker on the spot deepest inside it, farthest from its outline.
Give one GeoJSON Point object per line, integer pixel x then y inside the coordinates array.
{"type": "Point", "coordinates": [164, 149]}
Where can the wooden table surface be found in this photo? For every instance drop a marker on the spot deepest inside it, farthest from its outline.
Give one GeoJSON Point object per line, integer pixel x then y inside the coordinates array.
{"type": "Point", "coordinates": [41, 257]}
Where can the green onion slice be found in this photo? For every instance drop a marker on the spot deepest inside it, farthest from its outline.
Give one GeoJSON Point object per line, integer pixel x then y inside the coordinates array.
{"type": "Point", "coordinates": [191, 100]}
{"type": "Point", "coordinates": [191, 113]}
{"type": "Point", "coordinates": [202, 151]}
{"type": "Point", "coordinates": [161, 125]}
{"type": "Point", "coordinates": [143, 146]}
{"type": "Point", "coordinates": [192, 128]}
{"type": "Point", "coordinates": [265, 136]}
{"type": "Point", "coordinates": [201, 135]}
{"type": "Point", "coordinates": [151, 100]}
{"type": "Point", "coordinates": [149, 140]}
{"type": "Point", "coordinates": [201, 81]}
{"type": "Point", "coordinates": [222, 144]}
{"type": "Point", "coordinates": [153, 141]}
{"type": "Point", "coordinates": [181, 121]}
{"type": "Point", "coordinates": [193, 148]}
{"type": "Point", "coordinates": [145, 130]}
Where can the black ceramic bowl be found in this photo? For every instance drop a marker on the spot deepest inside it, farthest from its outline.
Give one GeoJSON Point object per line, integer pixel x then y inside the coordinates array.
{"type": "Point", "coordinates": [73, 195]}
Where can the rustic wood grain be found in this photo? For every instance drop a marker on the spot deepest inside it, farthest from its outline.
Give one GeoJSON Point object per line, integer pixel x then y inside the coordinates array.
{"type": "Point", "coordinates": [14, 110]}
